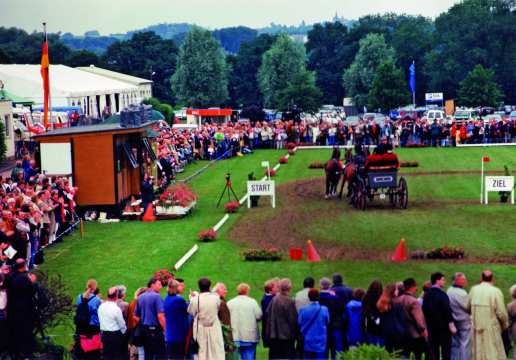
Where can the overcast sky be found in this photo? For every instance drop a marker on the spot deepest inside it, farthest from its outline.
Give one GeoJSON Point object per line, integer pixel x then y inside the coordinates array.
{"type": "Point", "coordinates": [114, 16]}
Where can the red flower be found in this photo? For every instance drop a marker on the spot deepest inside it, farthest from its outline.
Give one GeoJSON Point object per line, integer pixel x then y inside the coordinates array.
{"type": "Point", "coordinates": [290, 146]}
{"type": "Point", "coordinates": [283, 160]}
{"type": "Point", "coordinates": [207, 235]}
{"type": "Point", "coordinates": [232, 206]}
{"type": "Point", "coordinates": [270, 172]}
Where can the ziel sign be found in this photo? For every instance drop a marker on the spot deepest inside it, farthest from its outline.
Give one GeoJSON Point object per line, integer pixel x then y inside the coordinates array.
{"type": "Point", "coordinates": [261, 188]}
{"type": "Point", "coordinates": [499, 183]}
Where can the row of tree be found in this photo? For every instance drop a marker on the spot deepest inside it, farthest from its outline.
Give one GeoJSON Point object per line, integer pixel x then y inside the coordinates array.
{"type": "Point", "coordinates": [468, 52]}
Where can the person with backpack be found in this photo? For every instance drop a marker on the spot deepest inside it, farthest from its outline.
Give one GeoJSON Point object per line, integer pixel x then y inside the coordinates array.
{"type": "Point", "coordinates": [87, 325]}
{"type": "Point", "coordinates": [313, 320]}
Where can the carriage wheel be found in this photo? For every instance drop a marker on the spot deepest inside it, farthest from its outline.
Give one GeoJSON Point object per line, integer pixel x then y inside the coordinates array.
{"type": "Point", "coordinates": [354, 195]}
{"type": "Point", "coordinates": [392, 197]}
{"type": "Point", "coordinates": [402, 193]}
{"type": "Point", "coordinates": [362, 196]}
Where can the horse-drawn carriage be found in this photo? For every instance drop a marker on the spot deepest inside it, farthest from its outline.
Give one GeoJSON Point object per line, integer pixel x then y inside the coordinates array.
{"type": "Point", "coordinates": [379, 178]}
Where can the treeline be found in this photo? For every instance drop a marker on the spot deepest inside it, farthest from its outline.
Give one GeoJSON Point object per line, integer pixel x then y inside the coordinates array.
{"type": "Point", "coordinates": [468, 52]}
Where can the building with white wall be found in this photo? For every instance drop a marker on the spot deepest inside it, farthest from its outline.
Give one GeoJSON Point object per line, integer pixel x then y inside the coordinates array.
{"type": "Point", "coordinates": [71, 87]}
{"type": "Point", "coordinates": [6, 117]}
{"type": "Point", "coordinates": [144, 85]}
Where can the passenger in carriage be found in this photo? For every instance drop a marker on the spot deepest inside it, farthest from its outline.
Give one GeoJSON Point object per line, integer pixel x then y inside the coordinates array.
{"type": "Point", "coordinates": [383, 148]}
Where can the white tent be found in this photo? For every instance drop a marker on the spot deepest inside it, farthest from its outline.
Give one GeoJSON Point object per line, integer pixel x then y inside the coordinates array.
{"type": "Point", "coordinates": [70, 87]}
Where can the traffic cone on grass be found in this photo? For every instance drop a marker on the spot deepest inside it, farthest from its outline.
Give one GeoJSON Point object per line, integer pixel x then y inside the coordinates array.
{"type": "Point", "coordinates": [149, 214]}
{"type": "Point", "coordinates": [311, 254]}
{"type": "Point", "coordinates": [400, 254]}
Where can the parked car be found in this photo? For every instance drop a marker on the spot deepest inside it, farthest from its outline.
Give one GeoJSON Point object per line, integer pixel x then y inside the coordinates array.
{"type": "Point", "coordinates": [465, 115]}
{"type": "Point", "coordinates": [492, 118]}
{"type": "Point", "coordinates": [432, 115]}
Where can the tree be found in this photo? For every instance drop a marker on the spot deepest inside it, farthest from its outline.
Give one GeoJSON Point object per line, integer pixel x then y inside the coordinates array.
{"type": "Point", "coordinates": [243, 84]}
{"type": "Point", "coordinates": [82, 58]}
{"type": "Point", "coordinates": [233, 37]}
{"type": "Point", "coordinates": [328, 55]}
{"type": "Point", "coordinates": [479, 88]}
{"type": "Point", "coordinates": [389, 89]}
{"type": "Point", "coordinates": [360, 75]}
{"type": "Point", "coordinates": [201, 79]}
{"type": "Point", "coordinates": [145, 55]}
{"type": "Point", "coordinates": [253, 113]}
{"type": "Point", "coordinates": [279, 66]}
{"type": "Point", "coordinates": [474, 32]}
{"type": "Point", "coordinates": [301, 94]}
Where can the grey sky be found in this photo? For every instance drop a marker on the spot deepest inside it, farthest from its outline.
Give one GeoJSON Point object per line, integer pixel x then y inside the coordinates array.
{"type": "Point", "coordinates": [112, 16]}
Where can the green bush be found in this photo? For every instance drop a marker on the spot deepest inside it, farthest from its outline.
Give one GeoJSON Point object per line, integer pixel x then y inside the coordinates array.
{"type": "Point", "coordinates": [3, 146]}
{"type": "Point", "coordinates": [368, 352]}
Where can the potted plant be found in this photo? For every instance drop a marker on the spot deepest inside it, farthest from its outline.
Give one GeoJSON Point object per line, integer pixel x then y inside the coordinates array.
{"type": "Point", "coordinates": [164, 276]}
{"type": "Point", "coordinates": [283, 160]}
{"type": "Point", "coordinates": [231, 207]}
{"type": "Point", "coordinates": [207, 235]}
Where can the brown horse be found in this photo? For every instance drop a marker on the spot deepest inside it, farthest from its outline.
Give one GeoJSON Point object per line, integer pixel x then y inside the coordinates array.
{"type": "Point", "coordinates": [333, 171]}
{"type": "Point", "coordinates": [349, 171]}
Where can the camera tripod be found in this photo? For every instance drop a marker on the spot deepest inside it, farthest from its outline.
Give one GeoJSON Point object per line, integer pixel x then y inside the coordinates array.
{"type": "Point", "coordinates": [227, 189]}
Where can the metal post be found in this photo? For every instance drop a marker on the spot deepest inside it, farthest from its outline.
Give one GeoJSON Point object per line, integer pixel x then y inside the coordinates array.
{"type": "Point", "coordinates": [482, 181]}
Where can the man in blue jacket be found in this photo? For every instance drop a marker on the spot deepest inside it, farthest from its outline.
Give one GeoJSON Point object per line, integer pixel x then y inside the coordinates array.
{"type": "Point", "coordinates": [177, 321]}
{"type": "Point", "coordinates": [313, 320]}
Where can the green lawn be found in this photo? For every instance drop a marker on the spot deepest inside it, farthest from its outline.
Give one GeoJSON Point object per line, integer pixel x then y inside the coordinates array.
{"type": "Point", "coordinates": [129, 252]}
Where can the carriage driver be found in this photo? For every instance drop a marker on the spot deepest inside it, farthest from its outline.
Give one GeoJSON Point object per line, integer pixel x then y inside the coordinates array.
{"type": "Point", "coordinates": [384, 147]}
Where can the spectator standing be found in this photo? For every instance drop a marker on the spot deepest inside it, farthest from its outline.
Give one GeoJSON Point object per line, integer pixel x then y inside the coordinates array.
{"type": "Point", "coordinates": [270, 288]}
{"type": "Point", "coordinates": [177, 321]}
{"type": "Point", "coordinates": [313, 320]}
{"type": "Point", "coordinates": [302, 295]}
{"type": "Point", "coordinates": [149, 311]}
{"type": "Point", "coordinates": [113, 328]}
{"type": "Point", "coordinates": [225, 318]}
{"type": "Point", "coordinates": [345, 294]}
{"type": "Point", "coordinates": [121, 303]}
{"type": "Point", "coordinates": [20, 311]}
{"type": "Point", "coordinates": [87, 322]}
{"type": "Point", "coordinates": [336, 335]}
{"type": "Point", "coordinates": [438, 315]}
{"type": "Point", "coordinates": [207, 330]}
{"type": "Point", "coordinates": [459, 298]}
{"type": "Point", "coordinates": [511, 310]}
{"type": "Point", "coordinates": [4, 333]}
{"type": "Point", "coordinates": [136, 352]}
{"type": "Point", "coordinates": [415, 321]}
{"type": "Point", "coordinates": [371, 315]}
{"type": "Point", "coordinates": [245, 314]}
{"type": "Point", "coordinates": [281, 326]}
{"type": "Point", "coordinates": [353, 315]}
{"type": "Point", "coordinates": [489, 318]}
{"type": "Point", "coordinates": [392, 319]}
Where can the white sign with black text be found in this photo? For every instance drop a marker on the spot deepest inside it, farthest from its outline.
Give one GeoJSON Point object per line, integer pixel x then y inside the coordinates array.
{"type": "Point", "coordinates": [261, 188]}
{"type": "Point", "coordinates": [499, 183]}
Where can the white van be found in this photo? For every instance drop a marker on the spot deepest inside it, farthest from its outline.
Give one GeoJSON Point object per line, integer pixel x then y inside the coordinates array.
{"type": "Point", "coordinates": [438, 115]}
{"type": "Point", "coordinates": [189, 127]}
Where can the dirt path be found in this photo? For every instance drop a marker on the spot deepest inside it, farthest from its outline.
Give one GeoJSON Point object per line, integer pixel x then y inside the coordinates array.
{"type": "Point", "coordinates": [452, 172]}
{"type": "Point", "coordinates": [283, 227]}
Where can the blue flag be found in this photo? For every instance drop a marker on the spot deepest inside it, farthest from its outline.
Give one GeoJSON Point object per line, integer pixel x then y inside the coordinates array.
{"type": "Point", "coordinates": [413, 77]}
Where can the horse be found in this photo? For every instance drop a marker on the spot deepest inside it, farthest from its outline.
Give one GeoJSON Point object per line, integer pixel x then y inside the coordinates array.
{"type": "Point", "coordinates": [333, 171]}
{"type": "Point", "coordinates": [348, 173]}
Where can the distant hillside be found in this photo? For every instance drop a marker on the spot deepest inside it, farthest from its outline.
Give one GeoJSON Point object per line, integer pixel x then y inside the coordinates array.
{"type": "Point", "coordinates": [230, 38]}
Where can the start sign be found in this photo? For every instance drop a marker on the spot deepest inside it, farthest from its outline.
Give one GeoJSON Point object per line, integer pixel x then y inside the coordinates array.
{"type": "Point", "coordinates": [261, 188]}
{"type": "Point", "coordinates": [499, 183]}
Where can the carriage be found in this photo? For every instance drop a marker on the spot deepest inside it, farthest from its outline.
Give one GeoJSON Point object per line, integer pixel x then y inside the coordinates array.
{"type": "Point", "coordinates": [379, 178]}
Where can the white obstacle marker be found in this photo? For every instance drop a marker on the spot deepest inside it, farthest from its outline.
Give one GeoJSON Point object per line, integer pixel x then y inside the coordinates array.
{"type": "Point", "coordinates": [221, 222]}
{"type": "Point", "coordinates": [261, 188]}
{"type": "Point", "coordinates": [497, 184]}
{"type": "Point", "coordinates": [186, 257]}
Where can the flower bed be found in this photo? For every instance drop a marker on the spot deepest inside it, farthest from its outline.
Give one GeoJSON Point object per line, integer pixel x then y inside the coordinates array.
{"type": "Point", "coordinates": [207, 235]}
{"type": "Point", "coordinates": [409, 164]}
{"type": "Point", "coordinates": [445, 252]}
{"type": "Point", "coordinates": [164, 276]}
{"type": "Point", "coordinates": [316, 165]}
{"type": "Point", "coordinates": [231, 207]}
{"type": "Point", "coordinates": [270, 172]}
{"type": "Point", "coordinates": [177, 201]}
{"type": "Point", "coordinates": [271, 254]}
{"type": "Point", "coordinates": [283, 160]}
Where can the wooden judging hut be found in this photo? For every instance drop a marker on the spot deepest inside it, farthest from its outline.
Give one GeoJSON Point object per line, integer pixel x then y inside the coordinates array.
{"type": "Point", "coordinates": [105, 161]}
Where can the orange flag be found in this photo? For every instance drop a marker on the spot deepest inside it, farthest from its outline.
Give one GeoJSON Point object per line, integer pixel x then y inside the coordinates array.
{"type": "Point", "coordinates": [45, 64]}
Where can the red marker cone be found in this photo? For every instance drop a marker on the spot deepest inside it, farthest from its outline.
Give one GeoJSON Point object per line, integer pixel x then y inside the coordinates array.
{"type": "Point", "coordinates": [149, 214]}
{"type": "Point", "coordinates": [311, 254]}
{"type": "Point", "coordinates": [400, 254]}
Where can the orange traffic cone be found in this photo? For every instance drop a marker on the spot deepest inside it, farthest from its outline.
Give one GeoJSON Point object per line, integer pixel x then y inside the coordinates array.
{"type": "Point", "coordinates": [149, 214]}
{"type": "Point", "coordinates": [400, 254]}
{"type": "Point", "coordinates": [311, 254]}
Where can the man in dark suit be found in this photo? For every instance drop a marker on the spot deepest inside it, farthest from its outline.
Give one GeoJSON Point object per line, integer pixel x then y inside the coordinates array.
{"type": "Point", "coordinates": [439, 319]}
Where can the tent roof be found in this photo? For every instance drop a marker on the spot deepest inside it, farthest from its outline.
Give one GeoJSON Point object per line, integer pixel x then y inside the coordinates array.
{"type": "Point", "coordinates": [64, 81]}
{"type": "Point", "coordinates": [115, 75]}
{"type": "Point", "coordinates": [15, 99]}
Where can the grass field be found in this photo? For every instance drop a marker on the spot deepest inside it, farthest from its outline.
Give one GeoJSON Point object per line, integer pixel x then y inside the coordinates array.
{"type": "Point", "coordinates": [443, 210]}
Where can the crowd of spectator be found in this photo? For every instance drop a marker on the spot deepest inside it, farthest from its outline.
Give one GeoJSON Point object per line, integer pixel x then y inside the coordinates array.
{"type": "Point", "coordinates": [318, 322]}
{"type": "Point", "coordinates": [177, 147]}
{"type": "Point", "coordinates": [36, 211]}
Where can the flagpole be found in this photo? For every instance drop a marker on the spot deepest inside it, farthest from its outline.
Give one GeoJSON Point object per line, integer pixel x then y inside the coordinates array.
{"type": "Point", "coordinates": [49, 97]}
